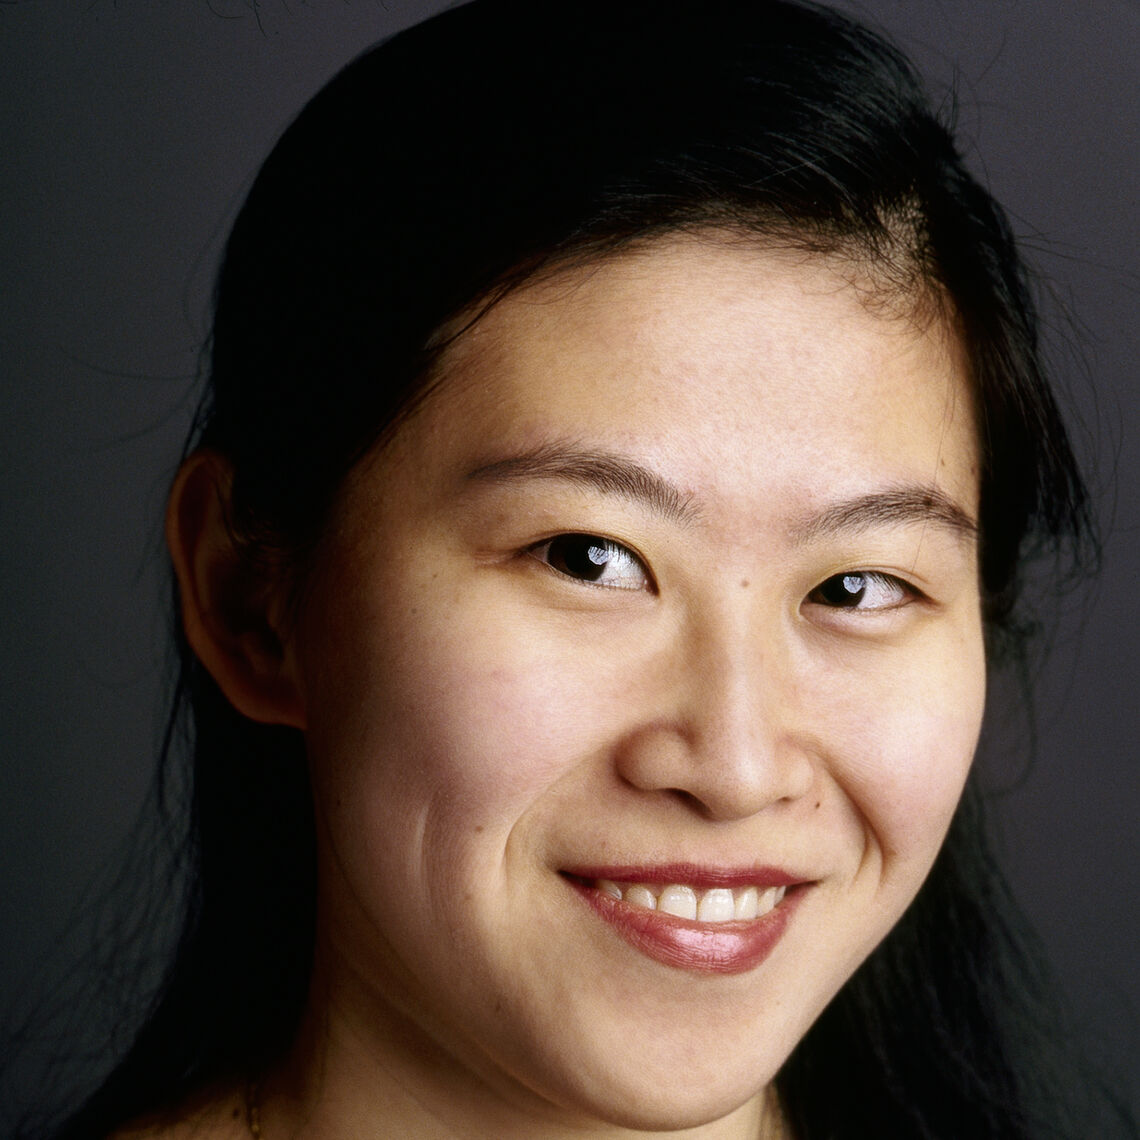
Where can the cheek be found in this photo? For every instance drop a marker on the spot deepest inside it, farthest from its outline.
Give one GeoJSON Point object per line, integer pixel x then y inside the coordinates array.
{"type": "Point", "coordinates": [913, 745]}
{"type": "Point", "coordinates": [438, 723]}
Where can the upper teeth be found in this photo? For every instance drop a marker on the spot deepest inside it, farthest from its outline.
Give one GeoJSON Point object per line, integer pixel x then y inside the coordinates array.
{"type": "Point", "coordinates": [720, 904]}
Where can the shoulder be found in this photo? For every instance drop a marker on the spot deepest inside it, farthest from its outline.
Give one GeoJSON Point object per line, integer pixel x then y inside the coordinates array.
{"type": "Point", "coordinates": [216, 1116]}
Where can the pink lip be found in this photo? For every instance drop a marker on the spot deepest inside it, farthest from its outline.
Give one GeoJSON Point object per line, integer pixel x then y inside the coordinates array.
{"type": "Point", "coordinates": [702, 947]}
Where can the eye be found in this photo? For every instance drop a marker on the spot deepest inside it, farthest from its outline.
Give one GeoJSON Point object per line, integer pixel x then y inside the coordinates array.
{"type": "Point", "coordinates": [590, 558]}
{"type": "Point", "coordinates": [863, 590]}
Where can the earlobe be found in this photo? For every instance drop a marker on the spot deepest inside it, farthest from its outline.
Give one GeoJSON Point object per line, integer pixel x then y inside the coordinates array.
{"type": "Point", "coordinates": [231, 608]}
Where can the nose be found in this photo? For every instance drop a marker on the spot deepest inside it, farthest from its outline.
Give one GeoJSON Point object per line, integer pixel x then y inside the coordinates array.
{"type": "Point", "coordinates": [726, 734]}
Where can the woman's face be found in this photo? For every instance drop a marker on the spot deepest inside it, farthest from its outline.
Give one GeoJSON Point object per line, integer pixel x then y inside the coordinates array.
{"type": "Point", "coordinates": [663, 606]}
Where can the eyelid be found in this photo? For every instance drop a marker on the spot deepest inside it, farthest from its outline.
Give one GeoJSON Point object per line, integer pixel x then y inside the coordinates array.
{"type": "Point", "coordinates": [911, 593]}
{"type": "Point", "coordinates": [538, 550]}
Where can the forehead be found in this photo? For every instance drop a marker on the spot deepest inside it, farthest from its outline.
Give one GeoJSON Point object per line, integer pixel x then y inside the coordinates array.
{"type": "Point", "coordinates": [716, 359]}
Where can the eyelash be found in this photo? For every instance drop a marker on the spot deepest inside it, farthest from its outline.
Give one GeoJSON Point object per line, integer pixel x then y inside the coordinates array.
{"type": "Point", "coordinates": [585, 558]}
{"type": "Point", "coordinates": [593, 553]}
{"type": "Point", "coordinates": [845, 591]}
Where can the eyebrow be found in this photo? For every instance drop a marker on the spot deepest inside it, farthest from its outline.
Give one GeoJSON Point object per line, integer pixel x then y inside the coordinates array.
{"type": "Point", "coordinates": [892, 507]}
{"type": "Point", "coordinates": [617, 474]}
{"type": "Point", "coordinates": [599, 470]}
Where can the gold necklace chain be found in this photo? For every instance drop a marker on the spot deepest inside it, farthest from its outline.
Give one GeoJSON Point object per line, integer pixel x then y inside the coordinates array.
{"type": "Point", "coordinates": [253, 1109]}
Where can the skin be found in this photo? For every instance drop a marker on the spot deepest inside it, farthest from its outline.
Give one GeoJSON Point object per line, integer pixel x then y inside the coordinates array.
{"type": "Point", "coordinates": [479, 720]}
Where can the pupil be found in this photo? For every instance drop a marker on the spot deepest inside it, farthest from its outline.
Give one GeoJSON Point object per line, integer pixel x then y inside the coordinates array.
{"type": "Point", "coordinates": [844, 589]}
{"type": "Point", "coordinates": [582, 557]}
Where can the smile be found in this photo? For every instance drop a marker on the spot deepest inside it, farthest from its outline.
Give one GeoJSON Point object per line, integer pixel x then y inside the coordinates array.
{"type": "Point", "coordinates": [705, 923]}
{"type": "Point", "coordinates": [718, 904]}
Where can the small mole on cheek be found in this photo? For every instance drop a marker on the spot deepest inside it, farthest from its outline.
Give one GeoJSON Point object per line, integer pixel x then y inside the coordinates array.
{"type": "Point", "coordinates": [818, 803]}
{"type": "Point", "coordinates": [478, 828]}
{"type": "Point", "coordinates": [744, 583]}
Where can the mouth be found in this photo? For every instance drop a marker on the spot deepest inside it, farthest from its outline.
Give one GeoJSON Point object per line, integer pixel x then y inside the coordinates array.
{"type": "Point", "coordinates": [716, 904]}
{"type": "Point", "coordinates": [707, 922]}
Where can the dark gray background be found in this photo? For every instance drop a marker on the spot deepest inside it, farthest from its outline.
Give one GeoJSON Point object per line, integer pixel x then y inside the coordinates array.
{"type": "Point", "coordinates": [128, 133]}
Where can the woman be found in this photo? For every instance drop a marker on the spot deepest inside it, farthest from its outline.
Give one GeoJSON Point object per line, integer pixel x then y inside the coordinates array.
{"type": "Point", "coordinates": [617, 466]}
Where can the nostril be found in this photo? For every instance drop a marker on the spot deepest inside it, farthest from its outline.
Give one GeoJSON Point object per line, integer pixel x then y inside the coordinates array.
{"type": "Point", "coordinates": [689, 800]}
{"type": "Point", "coordinates": [713, 766]}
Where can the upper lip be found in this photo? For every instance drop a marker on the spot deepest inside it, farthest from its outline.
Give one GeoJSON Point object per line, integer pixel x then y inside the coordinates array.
{"type": "Point", "coordinates": [700, 876]}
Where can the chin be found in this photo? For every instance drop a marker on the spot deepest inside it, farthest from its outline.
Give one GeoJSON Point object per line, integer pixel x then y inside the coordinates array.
{"type": "Point", "coordinates": [667, 1107]}
{"type": "Point", "coordinates": [702, 1085]}
{"type": "Point", "coordinates": [678, 1105]}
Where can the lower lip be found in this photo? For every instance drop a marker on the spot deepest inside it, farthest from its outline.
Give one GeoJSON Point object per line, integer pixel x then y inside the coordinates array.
{"type": "Point", "coordinates": [702, 947]}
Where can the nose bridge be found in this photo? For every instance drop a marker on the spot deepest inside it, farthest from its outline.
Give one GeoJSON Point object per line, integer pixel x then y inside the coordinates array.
{"type": "Point", "coordinates": [732, 745]}
{"type": "Point", "coordinates": [734, 677]}
{"type": "Point", "coordinates": [738, 681]}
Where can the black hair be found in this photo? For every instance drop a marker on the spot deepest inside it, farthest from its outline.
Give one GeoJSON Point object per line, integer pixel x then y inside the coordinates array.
{"type": "Point", "coordinates": [434, 174]}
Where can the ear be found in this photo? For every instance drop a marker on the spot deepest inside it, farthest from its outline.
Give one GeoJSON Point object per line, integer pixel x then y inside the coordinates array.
{"type": "Point", "coordinates": [232, 610]}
